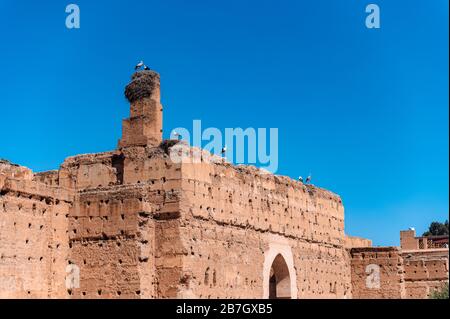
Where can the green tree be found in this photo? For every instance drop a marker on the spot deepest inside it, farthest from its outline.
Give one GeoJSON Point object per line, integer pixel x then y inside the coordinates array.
{"type": "Point", "coordinates": [437, 229]}
{"type": "Point", "coordinates": [441, 293]}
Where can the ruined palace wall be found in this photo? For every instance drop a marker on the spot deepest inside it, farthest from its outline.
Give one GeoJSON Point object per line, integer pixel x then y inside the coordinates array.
{"type": "Point", "coordinates": [235, 218]}
{"type": "Point", "coordinates": [112, 227]}
{"type": "Point", "coordinates": [377, 272]}
{"type": "Point", "coordinates": [410, 274]}
{"type": "Point", "coordinates": [356, 242]}
{"type": "Point", "coordinates": [153, 167]}
{"type": "Point", "coordinates": [425, 271]}
{"type": "Point", "coordinates": [33, 235]}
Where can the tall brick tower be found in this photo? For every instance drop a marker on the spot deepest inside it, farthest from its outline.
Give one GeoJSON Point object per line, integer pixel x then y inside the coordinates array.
{"type": "Point", "coordinates": [144, 126]}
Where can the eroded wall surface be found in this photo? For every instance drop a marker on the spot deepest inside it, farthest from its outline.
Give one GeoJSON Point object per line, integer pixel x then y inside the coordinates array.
{"type": "Point", "coordinates": [124, 205]}
{"type": "Point", "coordinates": [389, 272]}
{"type": "Point", "coordinates": [425, 271]}
{"type": "Point", "coordinates": [134, 224]}
{"type": "Point", "coordinates": [236, 219]}
{"type": "Point", "coordinates": [34, 243]}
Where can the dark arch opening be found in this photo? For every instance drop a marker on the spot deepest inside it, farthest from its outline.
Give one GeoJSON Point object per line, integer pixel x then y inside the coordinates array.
{"type": "Point", "coordinates": [279, 280]}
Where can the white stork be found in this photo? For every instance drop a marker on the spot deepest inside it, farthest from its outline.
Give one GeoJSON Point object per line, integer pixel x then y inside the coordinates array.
{"type": "Point", "coordinates": [139, 65]}
{"type": "Point", "coordinates": [308, 179]}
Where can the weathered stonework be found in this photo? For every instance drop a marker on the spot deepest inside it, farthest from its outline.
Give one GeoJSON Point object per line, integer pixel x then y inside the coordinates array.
{"type": "Point", "coordinates": [135, 224]}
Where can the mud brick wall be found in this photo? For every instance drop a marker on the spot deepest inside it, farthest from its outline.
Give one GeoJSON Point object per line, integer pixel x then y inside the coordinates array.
{"type": "Point", "coordinates": [137, 225]}
{"type": "Point", "coordinates": [363, 276]}
{"type": "Point", "coordinates": [322, 271]}
{"type": "Point", "coordinates": [356, 242]}
{"type": "Point", "coordinates": [412, 274]}
{"type": "Point", "coordinates": [116, 222]}
{"type": "Point", "coordinates": [108, 245]}
{"type": "Point", "coordinates": [234, 215]}
{"type": "Point", "coordinates": [34, 243]}
{"type": "Point", "coordinates": [425, 271]}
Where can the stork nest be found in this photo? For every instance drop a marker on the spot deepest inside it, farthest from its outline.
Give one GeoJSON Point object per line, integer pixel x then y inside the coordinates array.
{"type": "Point", "coordinates": [142, 85]}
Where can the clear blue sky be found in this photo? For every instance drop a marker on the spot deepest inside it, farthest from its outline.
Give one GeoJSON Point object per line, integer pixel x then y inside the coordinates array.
{"type": "Point", "coordinates": [365, 111]}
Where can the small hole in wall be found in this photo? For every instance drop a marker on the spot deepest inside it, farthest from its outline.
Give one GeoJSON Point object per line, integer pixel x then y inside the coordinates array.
{"type": "Point", "coordinates": [119, 293]}
{"type": "Point", "coordinates": [206, 280]}
{"type": "Point", "coordinates": [84, 293]}
{"type": "Point", "coordinates": [69, 291]}
{"type": "Point", "coordinates": [138, 292]}
{"type": "Point", "coordinates": [99, 292]}
{"type": "Point", "coordinates": [120, 261]}
{"type": "Point", "coordinates": [122, 216]}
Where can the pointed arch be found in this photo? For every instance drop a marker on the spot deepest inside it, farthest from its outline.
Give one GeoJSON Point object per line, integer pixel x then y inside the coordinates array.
{"type": "Point", "coordinates": [279, 275]}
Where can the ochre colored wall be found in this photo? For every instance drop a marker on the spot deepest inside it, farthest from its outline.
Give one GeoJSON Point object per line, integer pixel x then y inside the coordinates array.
{"type": "Point", "coordinates": [233, 215]}
{"type": "Point", "coordinates": [33, 235]}
{"type": "Point", "coordinates": [403, 274]}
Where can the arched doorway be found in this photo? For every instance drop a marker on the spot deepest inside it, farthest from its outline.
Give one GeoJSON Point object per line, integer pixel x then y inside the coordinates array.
{"type": "Point", "coordinates": [279, 280]}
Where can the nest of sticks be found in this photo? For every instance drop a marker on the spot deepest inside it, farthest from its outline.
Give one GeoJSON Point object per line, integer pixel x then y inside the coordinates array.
{"type": "Point", "coordinates": [142, 85]}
